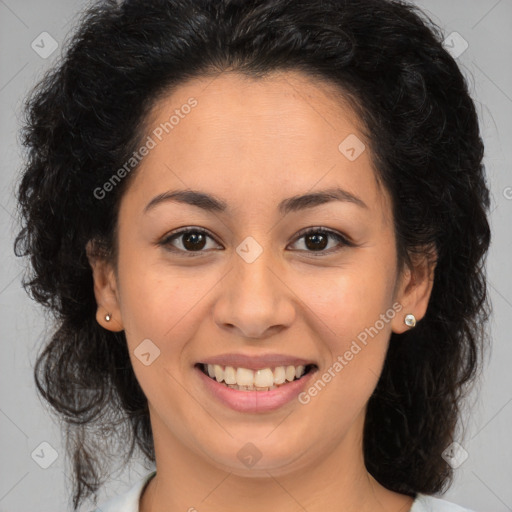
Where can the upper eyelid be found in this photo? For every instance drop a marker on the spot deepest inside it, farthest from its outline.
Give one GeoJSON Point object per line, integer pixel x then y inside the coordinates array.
{"type": "Point", "coordinates": [191, 229]}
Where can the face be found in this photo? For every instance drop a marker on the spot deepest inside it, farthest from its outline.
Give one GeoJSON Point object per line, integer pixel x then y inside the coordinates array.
{"type": "Point", "coordinates": [253, 277]}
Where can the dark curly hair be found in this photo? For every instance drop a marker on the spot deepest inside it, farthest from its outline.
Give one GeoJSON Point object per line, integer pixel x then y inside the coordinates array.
{"type": "Point", "coordinates": [86, 117]}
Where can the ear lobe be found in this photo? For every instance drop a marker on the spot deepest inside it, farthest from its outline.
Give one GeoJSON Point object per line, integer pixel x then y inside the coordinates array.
{"type": "Point", "coordinates": [417, 281]}
{"type": "Point", "coordinates": [105, 289]}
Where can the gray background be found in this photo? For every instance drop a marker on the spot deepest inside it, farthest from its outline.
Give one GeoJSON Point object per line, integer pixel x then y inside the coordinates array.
{"type": "Point", "coordinates": [482, 482]}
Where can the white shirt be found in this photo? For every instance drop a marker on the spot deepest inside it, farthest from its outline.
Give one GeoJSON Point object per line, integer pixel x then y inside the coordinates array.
{"type": "Point", "coordinates": [129, 501]}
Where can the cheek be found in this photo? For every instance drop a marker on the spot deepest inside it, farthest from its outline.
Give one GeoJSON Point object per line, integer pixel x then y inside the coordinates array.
{"type": "Point", "coordinates": [348, 301]}
{"type": "Point", "coordinates": [163, 304]}
{"type": "Point", "coordinates": [146, 304]}
{"type": "Point", "coordinates": [352, 312]}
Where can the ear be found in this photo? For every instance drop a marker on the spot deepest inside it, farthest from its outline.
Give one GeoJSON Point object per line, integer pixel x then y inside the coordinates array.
{"type": "Point", "coordinates": [414, 288]}
{"type": "Point", "coordinates": [105, 288]}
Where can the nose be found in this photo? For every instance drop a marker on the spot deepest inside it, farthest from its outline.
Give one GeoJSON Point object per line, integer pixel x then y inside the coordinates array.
{"type": "Point", "coordinates": [255, 302]}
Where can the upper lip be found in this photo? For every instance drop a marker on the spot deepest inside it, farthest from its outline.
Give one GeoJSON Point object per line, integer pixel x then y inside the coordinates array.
{"type": "Point", "coordinates": [257, 362]}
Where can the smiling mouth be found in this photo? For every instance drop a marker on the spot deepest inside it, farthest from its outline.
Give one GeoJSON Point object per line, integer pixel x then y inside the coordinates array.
{"type": "Point", "coordinates": [245, 379]}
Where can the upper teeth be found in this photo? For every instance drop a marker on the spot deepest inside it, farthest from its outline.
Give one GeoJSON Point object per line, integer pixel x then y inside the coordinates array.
{"type": "Point", "coordinates": [264, 378]}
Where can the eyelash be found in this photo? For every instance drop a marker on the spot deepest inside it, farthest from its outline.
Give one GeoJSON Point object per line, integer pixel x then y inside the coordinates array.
{"type": "Point", "coordinates": [166, 242]}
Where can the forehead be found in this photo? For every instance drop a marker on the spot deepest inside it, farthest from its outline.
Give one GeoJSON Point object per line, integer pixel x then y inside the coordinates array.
{"type": "Point", "coordinates": [282, 107]}
{"type": "Point", "coordinates": [269, 137]}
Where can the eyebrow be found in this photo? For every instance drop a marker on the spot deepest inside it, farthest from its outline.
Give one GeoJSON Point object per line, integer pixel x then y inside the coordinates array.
{"type": "Point", "coordinates": [211, 203]}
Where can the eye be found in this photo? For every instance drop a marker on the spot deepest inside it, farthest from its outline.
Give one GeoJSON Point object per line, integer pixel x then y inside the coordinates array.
{"type": "Point", "coordinates": [195, 240]}
{"type": "Point", "coordinates": [317, 239]}
{"type": "Point", "coordinates": [188, 240]}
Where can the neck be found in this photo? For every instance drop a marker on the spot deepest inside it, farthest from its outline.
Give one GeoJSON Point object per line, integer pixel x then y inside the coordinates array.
{"type": "Point", "coordinates": [337, 480]}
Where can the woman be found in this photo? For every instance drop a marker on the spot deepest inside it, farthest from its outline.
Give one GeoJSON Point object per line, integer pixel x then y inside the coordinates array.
{"type": "Point", "coordinates": [261, 226]}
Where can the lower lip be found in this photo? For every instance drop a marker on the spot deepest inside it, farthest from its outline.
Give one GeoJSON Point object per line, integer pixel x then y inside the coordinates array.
{"type": "Point", "coordinates": [255, 401]}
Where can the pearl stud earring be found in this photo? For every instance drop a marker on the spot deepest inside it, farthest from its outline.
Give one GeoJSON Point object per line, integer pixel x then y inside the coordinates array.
{"type": "Point", "coordinates": [410, 320]}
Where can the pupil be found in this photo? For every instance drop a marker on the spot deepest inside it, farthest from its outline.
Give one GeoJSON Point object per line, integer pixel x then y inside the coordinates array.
{"type": "Point", "coordinates": [316, 238]}
{"type": "Point", "coordinates": [194, 238]}
{"type": "Point", "coordinates": [195, 241]}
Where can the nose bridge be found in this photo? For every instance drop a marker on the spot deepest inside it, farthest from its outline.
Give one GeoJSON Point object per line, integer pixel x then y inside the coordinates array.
{"type": "Point", "coordinates": [253, 272]}
{"type": "Point", "coordinates": [255, 299]}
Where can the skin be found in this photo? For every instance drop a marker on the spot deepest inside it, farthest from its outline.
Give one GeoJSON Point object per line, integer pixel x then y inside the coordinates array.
{"type": "Point", "coordinates": [253, 143]}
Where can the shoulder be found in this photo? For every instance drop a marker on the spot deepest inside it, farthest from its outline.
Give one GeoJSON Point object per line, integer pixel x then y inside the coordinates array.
{"type": "Point", "coordinates": [128, 501]}
{"type": "Point", "coordinates": [424, 503]}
